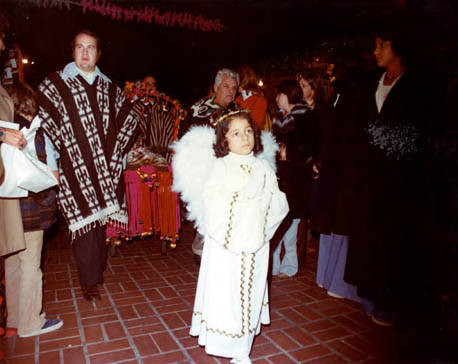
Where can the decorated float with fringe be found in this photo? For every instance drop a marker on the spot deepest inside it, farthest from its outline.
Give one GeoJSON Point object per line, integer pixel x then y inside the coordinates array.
{"type": "Point", "coordinates": [153, 207]}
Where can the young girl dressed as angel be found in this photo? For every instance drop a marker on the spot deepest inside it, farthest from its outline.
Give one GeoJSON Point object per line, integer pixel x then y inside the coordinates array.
{"type": "Point", "coordinates": [226, 175]}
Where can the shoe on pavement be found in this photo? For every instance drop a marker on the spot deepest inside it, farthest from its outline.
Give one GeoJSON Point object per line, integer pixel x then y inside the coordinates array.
{"type": "Point", "coordinates": [49, 326]}
{"type": "Point", "coordinates": [383, 318]}
{"type": "Point", "coordinates": [283, 275]}
{"type": "Point", "coordinates": [91, 293]}
{"type": "Point", "coordinates": [334, 295]}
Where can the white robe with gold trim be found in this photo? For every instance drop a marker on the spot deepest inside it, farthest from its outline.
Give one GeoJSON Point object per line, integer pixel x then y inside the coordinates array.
{"type": "Point", "coordinates": [243, 208]}
{"type": "Point", "coordinates": [237, 206]}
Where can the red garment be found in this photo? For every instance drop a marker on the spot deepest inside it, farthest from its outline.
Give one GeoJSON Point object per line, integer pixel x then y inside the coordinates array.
{"type": "Point", "coordinates": [257, 104]}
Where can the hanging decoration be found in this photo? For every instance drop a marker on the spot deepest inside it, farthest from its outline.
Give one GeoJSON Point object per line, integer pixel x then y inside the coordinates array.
{"type": "Point", "coordinates": [153, 207]}
{"type": "Point", "coordinates": [160, 122]}
{"type": "Point", "coordinates": [147, 14]}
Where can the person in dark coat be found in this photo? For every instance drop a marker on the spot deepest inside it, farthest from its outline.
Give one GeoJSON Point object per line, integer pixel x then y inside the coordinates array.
{"type": "Point", "coordinates": [386, 244]}
{"type": "Point", "coordinates": [330, 190]}
{"type": "Point", "coordinates": [298, 138]}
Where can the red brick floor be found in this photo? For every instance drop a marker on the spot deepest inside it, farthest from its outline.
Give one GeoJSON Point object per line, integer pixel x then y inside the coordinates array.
{"type": "Point", "coordinates": [146, 307]}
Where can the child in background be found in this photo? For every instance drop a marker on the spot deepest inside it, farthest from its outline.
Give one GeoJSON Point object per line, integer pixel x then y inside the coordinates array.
{"type": "Point", "coordinates": [226, 176]}
{"type": "Point", "coordinates": [298, 135]}
{"type": "Point", "coordinates": [24, 283]}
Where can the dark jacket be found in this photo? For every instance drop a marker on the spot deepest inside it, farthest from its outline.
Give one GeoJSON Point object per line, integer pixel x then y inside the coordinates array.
{"type": "Point", "coordinates": [387, 233]}
{"type": "Point", "coordinates": [335, 190]}
{"type": "Point", "coordinates": [299, 131]}
{"type": "Point", "coordinates": [198, 114]}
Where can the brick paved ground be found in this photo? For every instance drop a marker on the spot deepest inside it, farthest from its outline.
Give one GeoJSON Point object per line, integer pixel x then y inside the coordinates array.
{"type": "Point", "coordinates": [146, 306]}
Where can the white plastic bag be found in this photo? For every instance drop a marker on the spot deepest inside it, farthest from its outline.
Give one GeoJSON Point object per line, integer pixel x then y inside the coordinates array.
{"type": "Point", "coordinates": [23, 171]}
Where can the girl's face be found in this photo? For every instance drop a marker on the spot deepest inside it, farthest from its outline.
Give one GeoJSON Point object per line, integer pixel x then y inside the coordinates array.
{"type": "Point", "coordinates": [240, 136]}
{"type": "Point", "coordinates": [307, 91]}
{"type": "Point", "coordinates": [282, 101]}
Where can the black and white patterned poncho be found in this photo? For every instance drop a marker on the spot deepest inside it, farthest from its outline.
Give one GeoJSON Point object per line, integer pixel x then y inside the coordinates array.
{"type": "Point", "coordinates": [91, 127]}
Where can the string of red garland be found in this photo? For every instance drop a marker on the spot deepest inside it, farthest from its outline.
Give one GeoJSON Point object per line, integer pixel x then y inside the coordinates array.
{"type": "Point", "coordinates": [151, 14]}
{"type": "Point", "coordinates": [147, 14]}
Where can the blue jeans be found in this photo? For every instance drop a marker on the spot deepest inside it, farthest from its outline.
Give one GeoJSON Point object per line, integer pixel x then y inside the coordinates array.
{"type": "Point", "coordinates": [289, 264]}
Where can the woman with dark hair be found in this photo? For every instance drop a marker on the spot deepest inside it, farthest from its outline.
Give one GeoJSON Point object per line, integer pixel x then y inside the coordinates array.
{"type": "Point", "coordinates": [312, 91]}
{"type": "Point", "coordinates": [329, 192]}
{"type": "Point", "coordinates": [332, 247]}
{"type": "Point", "coordinates": [298, 136]}
{"type": "Point", "coordinates": [24, 283]}
{"type": "Point", "coordinates": [386, 259]}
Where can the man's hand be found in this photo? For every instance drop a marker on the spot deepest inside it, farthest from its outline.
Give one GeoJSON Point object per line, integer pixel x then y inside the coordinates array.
{"type": "Point", "coordinates": [13, 137]}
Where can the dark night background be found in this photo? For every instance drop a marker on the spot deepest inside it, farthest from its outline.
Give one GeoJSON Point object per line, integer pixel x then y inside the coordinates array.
{"type": "Point", "coordinates": [184, 61]}
{"type": "Point", "coordinates": [261, 33]}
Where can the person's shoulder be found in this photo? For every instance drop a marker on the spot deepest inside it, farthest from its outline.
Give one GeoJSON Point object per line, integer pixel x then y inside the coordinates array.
{"type": "Point", "coordinates": [268, 167]}
{"type": "Point", "coordinates": [259, 97]}
{"type": "Point", "coordinates": [413, 80]}
{"type": "Point", "coordinates": [104, 77]}
{"type": "Point", "coordinates": [50, 79]}
{"type": "Point", "coordinates": [202, 109]}
{"type": "Point", "coordinates": [207, 100]}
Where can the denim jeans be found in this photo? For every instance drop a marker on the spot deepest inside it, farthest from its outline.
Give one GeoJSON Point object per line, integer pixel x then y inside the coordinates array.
{"type": "Point", "coordinates": [288, 264]}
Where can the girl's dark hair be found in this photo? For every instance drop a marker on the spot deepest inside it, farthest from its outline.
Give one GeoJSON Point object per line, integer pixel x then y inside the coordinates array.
{"type": "Point", "coordinates": [224, 118]}
{"type": "Point", "coordinates": [291, 89]}
{"type": "Point", "coordinates": [24, 99]}
{"type": "Point", "coordinates": [315, 82]}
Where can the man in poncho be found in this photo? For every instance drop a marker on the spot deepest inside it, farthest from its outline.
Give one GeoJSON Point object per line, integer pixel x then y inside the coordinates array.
{"type": "Point", "coordinates": [91, 127]}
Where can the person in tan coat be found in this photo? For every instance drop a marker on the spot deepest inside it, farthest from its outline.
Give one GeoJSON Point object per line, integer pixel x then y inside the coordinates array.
{"type": "Point", "coordinates": [11, 232]}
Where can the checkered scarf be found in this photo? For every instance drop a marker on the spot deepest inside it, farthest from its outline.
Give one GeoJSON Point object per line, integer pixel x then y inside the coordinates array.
{"type": "Point", "coordinates": [92, 127]}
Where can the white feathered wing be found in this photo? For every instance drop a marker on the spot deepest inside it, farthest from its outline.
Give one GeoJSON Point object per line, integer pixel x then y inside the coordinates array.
{"type": "Point", "coordinates": [192, 162]}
